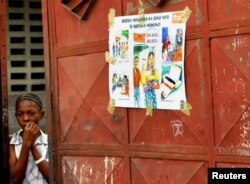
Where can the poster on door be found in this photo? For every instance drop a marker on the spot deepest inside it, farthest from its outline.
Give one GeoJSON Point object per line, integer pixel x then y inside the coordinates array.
{"type": "Point", "coordinates": [148, 67]}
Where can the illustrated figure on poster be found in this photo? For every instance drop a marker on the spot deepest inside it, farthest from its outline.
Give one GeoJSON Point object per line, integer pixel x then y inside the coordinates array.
{"type": "Point", "coordinates": [126, 49]}
{"type": "Point", "coordinates": [137, 79]}
{"type": "Point", "coordinates": [166, 43]}
{"type": "Point", "coordinates": [178, 53]}
{"type": "Point", "coordinates": [125, 85]}
{"type": "Point", "coordinates": [166, 56]}
{"type": "Point", "coordinates": [150, 81]}
{"type": "Point", "coordinates": [113, 49]}
{"type": "Point", "coordinates": [165, 50]}
{"type": "Point", "coordinates": [122, 50]}
{"type": "Point", "coordinates": [178, 37]}
{"type": "Point", "coordinates": [114, 82]}
{"type": "Point", "coordinates": [117, 49]}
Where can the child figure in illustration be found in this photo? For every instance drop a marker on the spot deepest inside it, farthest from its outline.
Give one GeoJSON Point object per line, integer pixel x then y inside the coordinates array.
{"type": "Point", "coordinates": [150, 81]}
{"type": "Point", "coordinates": [28, 155]}
{"type": "Point", "coordinates": [137, 79]}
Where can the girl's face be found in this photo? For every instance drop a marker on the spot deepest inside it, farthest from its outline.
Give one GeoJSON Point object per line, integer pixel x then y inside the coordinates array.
{"type": "Point", "coordinates": [28, 111]}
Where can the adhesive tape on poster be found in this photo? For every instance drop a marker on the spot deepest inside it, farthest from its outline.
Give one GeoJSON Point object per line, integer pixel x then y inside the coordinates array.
{"type": "Point", "coordinates": [186, 108]}
{"type": "Point", "coordinates": [111, 106]}
{"type": "Point", "coordinates": [186, 14]}
{"type": "Point", "coordinates": [149, 112]}
{"type": "Point", "coordinates": [141, 15]}
{"type": "Point", "coordinates": [111, 17]}
{"type": "Point", "coordinates": [109, 58]}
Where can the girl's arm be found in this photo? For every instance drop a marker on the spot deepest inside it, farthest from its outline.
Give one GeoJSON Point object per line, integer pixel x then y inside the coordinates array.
{"type": "Point", "coordinates": [18, 167]}
{"type": "Point", "coordinates": [42, 166]}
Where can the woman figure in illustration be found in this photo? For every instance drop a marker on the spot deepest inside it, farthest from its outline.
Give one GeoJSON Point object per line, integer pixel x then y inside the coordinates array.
{"type": "Point", "coordinates": [150, 81]}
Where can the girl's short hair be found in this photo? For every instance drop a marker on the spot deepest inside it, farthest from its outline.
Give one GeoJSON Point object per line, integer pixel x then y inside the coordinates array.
{"type": "Point", "coordinates": [31, 97]}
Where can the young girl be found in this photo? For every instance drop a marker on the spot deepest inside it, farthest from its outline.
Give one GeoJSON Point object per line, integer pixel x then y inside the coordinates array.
{"type": "Point", "coordinates": [28, 158]}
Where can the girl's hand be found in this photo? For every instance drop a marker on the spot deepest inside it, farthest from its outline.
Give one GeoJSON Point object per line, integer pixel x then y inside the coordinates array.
{"type": "Point", "coordinates": [30, 134]}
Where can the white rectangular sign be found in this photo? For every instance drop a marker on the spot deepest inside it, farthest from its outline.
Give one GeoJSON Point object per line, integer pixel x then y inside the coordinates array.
{"type": "Point", "coordinates": [148, 68]}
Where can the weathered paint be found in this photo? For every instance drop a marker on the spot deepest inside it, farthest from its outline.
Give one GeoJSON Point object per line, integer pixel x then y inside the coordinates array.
{"type": "Point", "coordinates": [92, 170]}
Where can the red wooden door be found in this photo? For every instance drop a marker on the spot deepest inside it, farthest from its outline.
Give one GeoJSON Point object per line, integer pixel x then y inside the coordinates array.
{"type": "Point", "coordinates": [92, 146]}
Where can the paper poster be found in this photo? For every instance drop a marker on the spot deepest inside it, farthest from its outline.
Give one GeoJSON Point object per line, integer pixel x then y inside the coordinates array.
{"type": "Point", "coordinates": [148, 67]}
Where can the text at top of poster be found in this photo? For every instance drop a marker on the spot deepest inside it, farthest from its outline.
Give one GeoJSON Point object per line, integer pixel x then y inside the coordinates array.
{"type": "Point", "coordinates": [148, 68]}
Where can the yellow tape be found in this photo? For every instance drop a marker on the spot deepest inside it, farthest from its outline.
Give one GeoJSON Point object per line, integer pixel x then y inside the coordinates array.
{"type": "Point", "coordinates": [186, 108]}
{"type": "Point", "coordinates": [149, 112]}
{"type": "Point", "coordinates": [186, 14]}
{"type": "Point", "coordinates": [109, 58]}
{"type": "Point", "coordinates": [141, 3]}
{"type": "Point", "coordinates": [111, 106]}
{"type": "Point", "coordinates": [111, 17]}
{"type": "Point", "coordinates": [141, 14]}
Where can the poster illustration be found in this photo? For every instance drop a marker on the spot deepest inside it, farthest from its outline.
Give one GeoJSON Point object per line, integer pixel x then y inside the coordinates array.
{"type": "Point", "coordinates": [148, 68]}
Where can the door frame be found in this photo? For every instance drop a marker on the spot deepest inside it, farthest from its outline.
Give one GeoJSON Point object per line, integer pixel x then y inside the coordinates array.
{"type": "Point", "coordinates": [4, 138]}
{"type": "Point", "coordinates": [4, 125]}
{"type": "Point", "coordinates": [48, 59]}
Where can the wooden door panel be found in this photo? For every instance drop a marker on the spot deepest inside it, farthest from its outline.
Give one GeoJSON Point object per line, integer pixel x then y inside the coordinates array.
{"type": "Point", "coordinates": [72, 31]}
{"type": "Point", "coordinates": [231, 88]}
{"type": "Point", "coordinates": [98, 98]}
{"type": "Point", "coordinates": [89, 128]}
{"type": "Point", "coordinates": [197, 90]}
{"type": "Point", "coordinates": [83, 70]}
{"type": "Point", "coordinates": [232, 165]}
{"type": "Point", "coordinates": [228, 10]}
{"type": "Point", "coordinates": [164, 129]}
{"type": "Point", "coordinates": [83, 112]}
{"type": "Point", "coordinates": [145, 171]}
{"type": "Point", "coordinates": [92, 170]}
